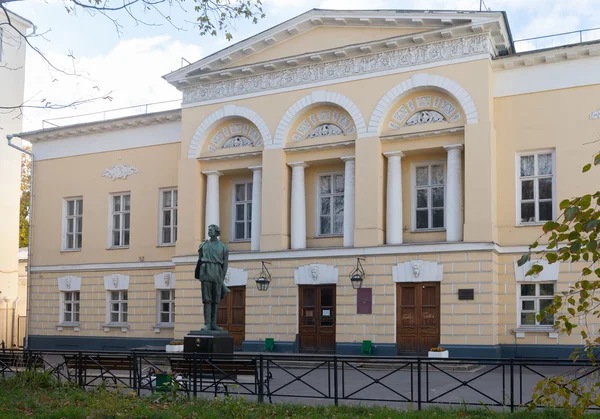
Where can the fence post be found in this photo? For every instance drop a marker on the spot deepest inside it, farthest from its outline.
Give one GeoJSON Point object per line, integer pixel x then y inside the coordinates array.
{"type": "Point", "coordinates": [335, 380]}
{"type": "Point", "coordinates": [419, 383]}
{"type": "Point", "coordinates": [512, 385]}
{"type": "Point", "coordinates": [261, 374]}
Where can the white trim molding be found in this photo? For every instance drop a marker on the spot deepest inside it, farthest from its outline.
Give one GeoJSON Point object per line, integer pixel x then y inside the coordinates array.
{"type": "Point", "coordinates": [318, 96]}
{"type": "Point", "coordinates": [236, 277]}
{"type": "Point", "coordinates": [104, 266]}
{"type": "Point", "coordinates": [225, 112]}
{"type": "Point", "coordinates": [417, 81]}
{"type": "Point", "coordinates": [548, 274]}
{"type": "Point", "coordinates": [69, 283]}
{"type": "Point", "coordinates": [116, 282]}
{"type": "Point", "coordinates": [417, 271]}
{"type": "Point", "coordinates": [164, 281]}
{"type": "Point", "coordinates": [315, 274]}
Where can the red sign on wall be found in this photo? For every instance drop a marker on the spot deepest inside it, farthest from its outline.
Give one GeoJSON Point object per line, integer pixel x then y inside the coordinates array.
{"type": "Point", "coordinates": [364, 301]}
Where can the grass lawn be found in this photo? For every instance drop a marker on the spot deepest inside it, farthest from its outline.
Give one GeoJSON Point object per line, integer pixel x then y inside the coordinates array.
{"type": "Point", "coordinates": [39, 396]}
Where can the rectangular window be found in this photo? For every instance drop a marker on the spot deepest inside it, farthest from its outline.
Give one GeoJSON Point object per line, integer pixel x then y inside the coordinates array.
{"type": "Point", "coordinates": [168, 217]}
{"type": "Point", "coordinates": [535, 189]}
{"type": "Point", "coordinates": [120, 219]}
{"type": "Point", "coordinates": [118, 306]}
{"type": "Point", "coordinates": [330, 213]}
{"type": "Point", "coordinates": [166, 306]}
{"type": "Point", "coordinates": [242, 210]}
{"type": "Point", "coordinates": [70, 307]}
{"type": "Point", "coordinates": [533, 299]}
{"type": "Point", "coordinates": [73, 210]}
{"type": "Point", "coordinates": [429, 196]}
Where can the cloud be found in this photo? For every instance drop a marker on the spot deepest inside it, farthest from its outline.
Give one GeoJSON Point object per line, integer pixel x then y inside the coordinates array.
{"type": "Point", "coordinates": [131, 72]}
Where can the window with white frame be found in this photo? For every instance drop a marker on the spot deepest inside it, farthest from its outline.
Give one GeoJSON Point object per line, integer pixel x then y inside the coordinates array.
{"type": "Point", "coordinates": [118, 306]}
{"type": "Point", "coordinates": [533, 299]}
{"type": "Point", "coordinates": [535, 189]}
{"type": "Point", "coordinates": [70, 307]}
{"type": "Point", "coordinates": [168, 216]}
{"type": "Point", "coordinates": [330, 204]}
{"type": "Point", "coordinates": [120, 220]}
{"type": "Point", "coordinates": [166, 307]}
{"type": "Point", "coordinates": [242, 210]}
{"type": "Point", "coordinates": [73, 224]}
{"type": "Point", "coordinates": [429, 196]}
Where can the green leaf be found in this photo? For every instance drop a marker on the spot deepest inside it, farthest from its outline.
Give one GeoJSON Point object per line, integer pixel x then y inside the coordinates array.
{"type": "Point", "coordinates": [576, 247]}
{"type": "Point", "coordinates": [597, 160]}
{"type": "Point", "coordinates": [590, 225]}
{"type": "Point", "coordinates": [524, 259]}
{"type": "Point", "coordinates": [571, 213]}
{"type": "Point", "coordinates": [564, 204]}
{"type": "Point", "coordinates": [592, 246]}
{"type": "Point", "coordinates": [551, 257]}
{"type": "Point", "coordinates": [549, 226]}
{"type": "Point", "coordinates": [587, 167]}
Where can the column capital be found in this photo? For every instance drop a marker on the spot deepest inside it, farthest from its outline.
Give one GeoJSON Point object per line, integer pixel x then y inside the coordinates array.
{"type": "Point", "coordinates": [453, 147]}
{"type": "Point", "coordinates": [255, 168]}
{"type": "Point", "coordinates": [348, 158]}
{"type": "Point", "coordinates": [390, 154]}
{"type": "Point", "coordinates": [298, 164]}
{"type": "Point", "coordinates": [212, 172]}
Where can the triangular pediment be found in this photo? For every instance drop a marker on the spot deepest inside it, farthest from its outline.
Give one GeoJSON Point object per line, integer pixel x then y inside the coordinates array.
{"type": "Point", "coordinates": [320, 35]}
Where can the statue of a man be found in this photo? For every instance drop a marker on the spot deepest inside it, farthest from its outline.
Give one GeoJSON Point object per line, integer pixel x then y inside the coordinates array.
{"type": "Point", "coordinates": [210, 271]}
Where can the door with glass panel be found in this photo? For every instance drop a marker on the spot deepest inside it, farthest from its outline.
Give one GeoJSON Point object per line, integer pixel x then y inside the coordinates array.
{"type": "Point", "coordinates": [317, 318]}
{"type": "Point", "coordinates": [232, 315]}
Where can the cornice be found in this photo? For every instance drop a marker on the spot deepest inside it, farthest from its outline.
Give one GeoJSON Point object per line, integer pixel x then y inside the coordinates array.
{"type": "Point", "coordinates": [230, 156]}
{"type": "Point", "coordinates": [396, 56]}
{"type": "Point", "coordinates": [547, 56]}
{"type": "Point", "coordinates": [447, 20]}
{"type": "Point", "coordinates": [102, 126]}
{"type": "Point", "coordinates": [421, 134]}
{"type": "Point", "coordinates": [340, 144]}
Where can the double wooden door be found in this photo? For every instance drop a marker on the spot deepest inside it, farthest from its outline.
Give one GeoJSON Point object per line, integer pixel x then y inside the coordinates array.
{"type": "Point", "coordinates": [232, 315]}
{"type": "Point", "coordinates": [317, 318]}
{"type": "Point", "coordinates": [417, 317]}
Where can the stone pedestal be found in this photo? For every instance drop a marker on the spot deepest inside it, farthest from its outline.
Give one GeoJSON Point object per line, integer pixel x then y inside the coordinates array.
{"type": "Point", "coordinates": [208, 343]}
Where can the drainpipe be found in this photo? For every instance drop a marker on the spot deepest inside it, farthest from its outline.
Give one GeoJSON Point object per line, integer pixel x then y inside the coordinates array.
{"type": "Point", "coordinates": [14, 315]}
{"type": "Point", "coordinates": [9, 137]}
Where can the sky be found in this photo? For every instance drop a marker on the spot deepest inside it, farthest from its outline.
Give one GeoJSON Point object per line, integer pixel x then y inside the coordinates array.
{"type": "Point", "coordinates": [124, 67]}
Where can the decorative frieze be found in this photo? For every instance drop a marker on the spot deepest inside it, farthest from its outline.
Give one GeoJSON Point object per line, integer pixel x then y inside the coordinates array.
{"type": "Point", "coordinates": [339, 69]}
{"type": "Point", "coordinates": [116, 282]}
{"type": "Point", "coordinates": [549, 273]}
{"type": "Point", "coordinates": [69, 283]}
{"type": "Point", "coordinates": [164, 281]}
{"type": "Point", "coordinates": [120, 171]}
{"type": "Point", "coordinates": [315, 274]}
{"type": "Point", "coordinates": [236, 277]}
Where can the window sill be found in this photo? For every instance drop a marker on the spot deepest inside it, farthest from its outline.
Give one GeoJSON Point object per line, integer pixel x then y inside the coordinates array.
{"type": "Point", "coordinates": [165, 326]}
{"type": "Point", "coordinates": [166, 245]}
{"type": "Point", "coordinates": [240, 241]}
{"type": "Point", "coordinates": [329, 236]}
{"type": "Point", "coordinates": [123, 326]}
{"type": "Point", "coordinates": [68, 325]}
{"type": "Point", "coordinates": [70, 250]}
{"type": "Point", "coordinates": [117, 248]}
{"type": "Point", "coordinates": [428, 230]}
{"type": "Point", "coordinates": [521, 330]}
{"type": "Point", "coordinates": [532, 224]}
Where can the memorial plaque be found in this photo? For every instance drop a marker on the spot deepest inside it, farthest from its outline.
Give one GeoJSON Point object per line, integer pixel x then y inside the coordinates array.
{"type": "Point", "coordinates": [466, 294]}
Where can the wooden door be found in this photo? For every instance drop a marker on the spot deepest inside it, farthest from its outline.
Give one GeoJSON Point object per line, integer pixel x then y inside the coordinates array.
{"type": "Point", "coordinates": [232, 315]}
{"type": "Point", "coordinates": [317, 318]}
{"type": "Point", "coordinates": [417, 317]}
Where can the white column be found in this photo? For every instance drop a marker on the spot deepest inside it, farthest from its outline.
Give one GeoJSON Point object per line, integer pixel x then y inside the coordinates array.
{"type": "Point", "coordinates": [394, 219]}
{"type": "Point", "coordinates": [348, 201]}
{"type": "Point", "coordinates": [212, 198]}
{"type": "Point", "coordinates": [454, 194]}
{"type": "Point", "coordinates": [298, 223]}
{"type": "Point", "coordinates": [256, 206]}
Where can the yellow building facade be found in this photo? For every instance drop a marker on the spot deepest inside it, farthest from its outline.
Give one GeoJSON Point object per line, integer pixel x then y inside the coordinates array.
{"type": "Point", "coordinates": [418, 142]}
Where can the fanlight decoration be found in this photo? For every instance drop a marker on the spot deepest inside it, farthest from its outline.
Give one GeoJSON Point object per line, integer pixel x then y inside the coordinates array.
{"type": "Point", "coordinates": [324, 123]}
{"type": "Point", "coordinates": [239, 134]}
{"type": "Point", "coordinates": [263, 279]}
{"type": "Point", "coordinates": [426, 109]}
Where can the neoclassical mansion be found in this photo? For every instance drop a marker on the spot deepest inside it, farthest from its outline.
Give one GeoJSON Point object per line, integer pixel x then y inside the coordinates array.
{"type": "Point", "coordinates": [416, 145]}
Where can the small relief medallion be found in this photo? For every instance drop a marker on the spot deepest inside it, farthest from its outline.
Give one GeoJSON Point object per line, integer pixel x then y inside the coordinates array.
{"type": "Point", "coordinates": [167, 279]}
{"type": "Point", "coordinates": [120, 171]}
{"type": "Point", "coordinates": [595, 114]}
{"type": "Point", "coordinates": [115, 280]}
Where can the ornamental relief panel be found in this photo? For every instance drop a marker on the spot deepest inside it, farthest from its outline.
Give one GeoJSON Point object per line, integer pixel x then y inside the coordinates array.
{"type": "Point", "coordinates": [343, 68]}
{"type": "Point", "coordinates": [323, 122]}
{"type": "Point", "coordinates": [422, 108]}
{"type": "Point", "coordinates": [239, 133]}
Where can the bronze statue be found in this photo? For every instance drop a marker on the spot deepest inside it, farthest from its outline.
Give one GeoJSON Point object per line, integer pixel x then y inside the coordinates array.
{"type": "Point", "coordinates": [210, 271]}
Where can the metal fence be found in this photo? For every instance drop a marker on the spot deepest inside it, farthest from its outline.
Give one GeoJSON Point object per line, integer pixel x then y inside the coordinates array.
{"type": "Point", "coordinates": [557, 40]}
{"type": "Point", "coordinates": [412, 382]}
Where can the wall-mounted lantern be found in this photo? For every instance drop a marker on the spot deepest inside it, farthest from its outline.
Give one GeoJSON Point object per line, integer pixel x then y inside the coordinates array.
{"type": "Point", "coordinates": [263, 279]}
{"type": "Point", "coordinates": [357, 276]}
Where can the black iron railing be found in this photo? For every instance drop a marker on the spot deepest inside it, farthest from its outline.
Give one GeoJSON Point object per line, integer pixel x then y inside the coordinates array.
{"type": "Point", "coordinates": [418, 382]}
{"type": "Point", "coordinates": [557, 40]}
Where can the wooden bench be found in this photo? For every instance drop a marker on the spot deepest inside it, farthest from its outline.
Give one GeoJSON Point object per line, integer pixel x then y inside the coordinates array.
{"type": "Point", "coordinates": [86, 369]}
{"type": "Point", "coordinates": [218, 373]}
{"type": "Point", "coordinates": [16, 361]}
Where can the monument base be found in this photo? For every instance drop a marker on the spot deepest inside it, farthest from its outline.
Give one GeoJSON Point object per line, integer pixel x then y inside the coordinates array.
{"type": "Point", "coordinates": [213, 343]}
